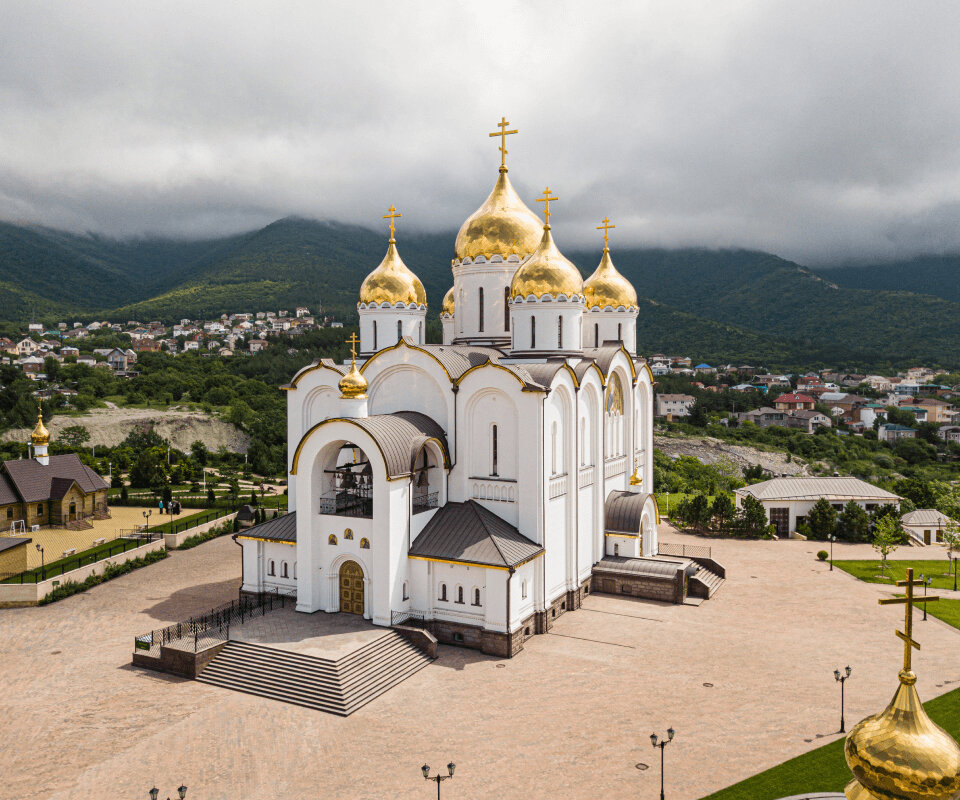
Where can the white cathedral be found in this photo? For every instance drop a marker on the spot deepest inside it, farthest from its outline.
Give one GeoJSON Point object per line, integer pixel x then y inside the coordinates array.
{"type": "Point", "coordinates": [473, 487]}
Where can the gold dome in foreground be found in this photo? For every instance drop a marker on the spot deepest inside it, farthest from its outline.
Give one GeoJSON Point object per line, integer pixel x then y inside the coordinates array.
{"type": "Point", "coordinates": [40, 434]}
{"type": "Point", "coordinates": [353, 385]}
{"type": "Point", "coordinates": [447, 306]}
{"type": "Point", "coordinates": [392, 282]}
{"type": "Point", "coordinates": [607, 287]}
{"type": "Point", "coordinates": [502, 226]}
{"type": "Point", "coordinates": [547, 271]}
{"type": "Point", "coordinates": [901, 754]}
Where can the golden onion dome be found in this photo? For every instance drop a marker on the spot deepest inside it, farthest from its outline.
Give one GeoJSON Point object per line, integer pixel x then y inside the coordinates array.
{"type": "Point", "coordinates": [547, 271]}
{"type": "Point", "coordinates": [902, 753]}
{"type": "Point", "coordinates": [353, 385]}
{"type": "Point", "coordinates": [607, 287]}
{"type": "Point", "coordinates": [40, 433]}
{"type": "Point", "coordinates": [447, 306]}
{"type": "Point", "coordinates": [502, 226]}
{"type": "Point", "coordinates": [392, 282]}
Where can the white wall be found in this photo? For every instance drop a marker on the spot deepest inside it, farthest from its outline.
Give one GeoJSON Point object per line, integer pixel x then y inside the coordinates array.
{"type": "Point", "coordinates": [411, 319]}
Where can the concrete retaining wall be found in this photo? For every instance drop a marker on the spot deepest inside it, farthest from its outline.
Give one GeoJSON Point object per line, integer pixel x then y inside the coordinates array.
{"type": "Point", "coordinates": [174, 540]}
{"type": "Point", "coordinates": [174, 661]}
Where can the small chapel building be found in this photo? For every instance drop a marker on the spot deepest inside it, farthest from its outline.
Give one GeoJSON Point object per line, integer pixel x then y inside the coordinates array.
{"type": "Point", "coordinates": [472, 487]}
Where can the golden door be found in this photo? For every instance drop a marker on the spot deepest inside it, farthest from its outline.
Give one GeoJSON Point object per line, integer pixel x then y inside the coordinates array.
{"type": "Point", "coordinates": [351, 588]}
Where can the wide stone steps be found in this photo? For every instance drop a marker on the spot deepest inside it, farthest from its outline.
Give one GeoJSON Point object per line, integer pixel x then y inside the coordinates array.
{"type": "Point", "coordinates": [337, 687]}
{"type": "Point", "coordinates": [708, 579]}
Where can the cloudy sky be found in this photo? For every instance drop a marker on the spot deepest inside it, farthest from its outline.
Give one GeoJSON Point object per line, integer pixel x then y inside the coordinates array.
{"type": "Point", "coordinates": [817, 130]}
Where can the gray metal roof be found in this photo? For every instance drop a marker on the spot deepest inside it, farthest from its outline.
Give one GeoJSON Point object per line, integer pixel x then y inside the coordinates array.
{"type": "Point", "coordinates": [281, 529]}
{"type": "Point", "coordinates": [469, 533]}
{"type": "Point", "coordinates": [622, 511]}
{"type": "Point", "coordinates": [925, 516]}
{"type": "Point", "coordinates": [400, 436]}
{"type": "Point", "coordinates": [648, 567]}
{"type": "Point", "coordinates": [34, 482]}
{"type": "Point", "coordinates": [603, 355]}
{"type": "Point", "coordinates": [815, 488]}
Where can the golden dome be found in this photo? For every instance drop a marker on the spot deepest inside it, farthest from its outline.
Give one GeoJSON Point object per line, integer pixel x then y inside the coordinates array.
{"type": "Point", "coordinates": [902, 753]}
{"type": "Point", "coordinates": [502, 226]}
{"type": "Point", "coordinates": [607, 287]}
{"type": "Point", "coordinates": [392, 282]}
{"type": "Point", "coordinates": [40, 434]}
{"type": "Point", "coordinates": [353, 385]}
{"type": "Point", "coordinates": [547, 271]}
{"type": "Point", "coordinates": [447, 306]}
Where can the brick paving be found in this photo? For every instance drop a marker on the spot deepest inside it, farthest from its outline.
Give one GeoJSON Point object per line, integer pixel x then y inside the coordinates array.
{"type": "Point", "coordinates": [569, 717]}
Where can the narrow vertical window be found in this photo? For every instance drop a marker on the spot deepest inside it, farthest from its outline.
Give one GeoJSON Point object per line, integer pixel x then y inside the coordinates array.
{"type": "Point", "coordinates": [374, 335]}
{"type": "Point", "coordinates": [596, 334]}
{"type": "Point", "coordinates": [533, 332]}
{"type": "Point", "coordinates": [506, 308]}
{"type": "Point", "coordinates": [480, 304]}
{"type": "Point", "coordinates": [493, 450]}
{"type": "Point", "coordinates": [476, 597]}
{"type": "Point", "coordinates": [553, 448]}
{"type": "Point", "coordinates": [420, 332]}
{"type": "Point", "coordinates": [560, 333]}
{"type": "Point", "coordinates": [619, 332]}
{"type": "Point", "coordinates": [443, 591]}
{"type": "Point", "coordinates": [399, 329]}
{"type": "Point", "coordinates": [583, 441]}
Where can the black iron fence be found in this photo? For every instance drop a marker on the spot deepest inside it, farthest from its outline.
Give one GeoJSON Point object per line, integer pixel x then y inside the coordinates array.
{"type": "Point", "coordinates": [356, 502]}
{"type": "Point", "coordinates": [205, 630]}
{"type": "Point", "coordinates": [683, 550]}
{"type": "Point", "coordinates": [193, 521]}
{"type": "Point", "coordinates": [412, 619]}
{"type": "Point", "coordinates": [424, 502]}
{"type": "Point", "coordinates": [129, 540]}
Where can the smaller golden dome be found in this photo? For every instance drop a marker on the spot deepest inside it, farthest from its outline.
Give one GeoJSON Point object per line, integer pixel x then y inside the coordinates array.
{"type": "Point", "coordinates": [392, 282]}
{"type": "Point", "coordinates": [607, 287]}
{"type": "Point", "coordinates": [902, 753]}
{"type": "Point", "coordinates": [502, 226]}
{"type": "Point", "coordinates": [353, 385]}
{"type": "Point", "coordinates": [547, 271]}
{"type": "Point", "coordinates": [447, 306]}
{"type": "Point", "coordinates": [40, 434]}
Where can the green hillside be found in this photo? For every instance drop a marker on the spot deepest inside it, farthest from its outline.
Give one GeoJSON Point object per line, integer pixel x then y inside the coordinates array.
{"type": "Point", "coordinates": [937, 276]}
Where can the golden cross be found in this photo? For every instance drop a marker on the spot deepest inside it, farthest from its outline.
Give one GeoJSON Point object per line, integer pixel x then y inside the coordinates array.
{"type": "Point", "coordinates": [546, 200]}
{"type": "Point", "coordinates": [908, 601]}
{"type": "Point", "coordinates": [353, 340]}
{"type": "Point", "coordinates": [606, 226]}
{"type": "Point", "coordinates": [503, 133]}
{"type": "Point", "coordinates": [392, 214]}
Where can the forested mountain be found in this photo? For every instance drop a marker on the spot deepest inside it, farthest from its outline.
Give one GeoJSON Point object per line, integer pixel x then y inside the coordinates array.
{"type": "Point", "coordinates": [735, 305]}
{"type": "Point", "coordinates": [938, 276]}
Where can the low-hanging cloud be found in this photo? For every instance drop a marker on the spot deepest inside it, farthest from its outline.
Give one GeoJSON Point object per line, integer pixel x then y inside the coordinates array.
{"type": "Point", "coordinates": [821, 131]}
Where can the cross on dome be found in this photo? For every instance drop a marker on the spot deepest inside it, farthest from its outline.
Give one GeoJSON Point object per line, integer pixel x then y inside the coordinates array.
{"type": "Point", "coordinates": [908, 601]}
{"type": "Point", "coordinates": [546, 200]}
{"type": "Point", "coordinates": [606, 226]}
{"type": "Point", "coordinates": [503, 133]}
{"type": "Point", "coordinates": [392, 214]}
{"type": "Point", "coordinates": [353, 341]}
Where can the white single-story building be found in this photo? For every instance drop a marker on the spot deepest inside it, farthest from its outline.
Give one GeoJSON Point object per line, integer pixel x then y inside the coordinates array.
{"type": "Point", "coordinates": [787, 501]}
{"type": "Point", "coordinates": [674, 405]}
{"type": "Point", "coordinates": [926, 524]}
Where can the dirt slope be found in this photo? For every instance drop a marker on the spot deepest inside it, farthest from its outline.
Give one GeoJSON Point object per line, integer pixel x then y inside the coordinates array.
{"type": "Point", "coordinates": [709, 450]}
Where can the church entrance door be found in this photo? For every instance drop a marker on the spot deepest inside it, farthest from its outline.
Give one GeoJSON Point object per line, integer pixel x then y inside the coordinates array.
{"type": "Point", "coordinates": [351, 588]}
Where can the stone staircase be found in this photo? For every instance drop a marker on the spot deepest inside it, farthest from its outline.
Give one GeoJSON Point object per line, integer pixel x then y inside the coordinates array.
{"type": "Point", "coordinates": [78, 525]}
{"type": "Point", "coordinates": [337, 687]}
{"type": "Point", "coordinates": [704, 583]}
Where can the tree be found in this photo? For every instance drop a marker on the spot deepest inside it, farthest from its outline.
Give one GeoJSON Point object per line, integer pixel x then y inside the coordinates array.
{"type": "Point", "coordinates": [698, 415]}
{"type": "Point", "coordinates": [723, 512]}
{"type": "Point", "coordinates": [199, 452]}
{"type": "Point", "coordinates": [752, 519]}
{"type": "Point", "coordinates": [853, 525]}
{"type": "Point", "coordinates": [822, 519]}
{"type": "Point", "coordinates": [754, 473]}
{"type": "Point", "coordinates": [74, 437]}
{"type": "Point", "coordinates": [951, 537]}
{"type": "Point", "coordinates": [147, 471]}
{"type": "Point", "coordinates": [886, 537]}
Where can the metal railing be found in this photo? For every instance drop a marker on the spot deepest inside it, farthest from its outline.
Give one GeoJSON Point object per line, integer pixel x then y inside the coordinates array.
{"type": "Point", "coordinates": [683, 550]}
{"type": "Point", "coordinates": [129, 540]}
{"type": "Point", "coordinates": [205, 630]}
{"type": "Point", "coordinates": [348, 503]}
{"type": "Point", "coordinates": [412, 619]}
{"type": "Point", "coordinates": [424, 502]}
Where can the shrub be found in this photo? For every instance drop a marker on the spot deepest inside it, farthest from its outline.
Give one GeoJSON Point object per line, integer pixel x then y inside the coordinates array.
{"type": "Point", "coordinates": [823, 555]}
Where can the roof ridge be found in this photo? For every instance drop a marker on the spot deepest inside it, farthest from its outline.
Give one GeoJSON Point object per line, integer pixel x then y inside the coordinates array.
{"type": "Point", "coordinates": [484, 522]}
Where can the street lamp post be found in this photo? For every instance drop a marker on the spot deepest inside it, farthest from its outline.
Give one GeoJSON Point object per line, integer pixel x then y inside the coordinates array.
{"type": "Point", "coordinates": [155, 792]}
{"type": "Point", "coordinates": [662, 743]}
{"type": "Point", "coordinates": [43, 568]}
{"type": "Point", "coordinates": [842, 678]}
{"type": "Point", "coordinates": [425, 769]}
{"type": "Point", "coordinates": [954, 573]}
{"type": "Point", "coordinates": [832, 538]}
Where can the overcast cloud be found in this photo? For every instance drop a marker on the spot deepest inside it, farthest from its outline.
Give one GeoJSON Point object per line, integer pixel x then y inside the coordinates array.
{"type": "Point", "coordinates": [816, 130]}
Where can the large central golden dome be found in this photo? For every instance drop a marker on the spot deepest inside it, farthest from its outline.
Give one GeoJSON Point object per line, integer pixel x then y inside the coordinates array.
{"type": "Point", "coordinates": [607, 287]}
{"type": "Point", "coordinates": [502, 226]}
{"type": "Point", "coordinates": [547, 271]}
{"type": "Point", "coordinates": [392, 282]}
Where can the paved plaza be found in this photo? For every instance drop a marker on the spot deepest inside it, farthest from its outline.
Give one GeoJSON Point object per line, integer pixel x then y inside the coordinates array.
{"type": "Point", "coordinates": [746, 679]}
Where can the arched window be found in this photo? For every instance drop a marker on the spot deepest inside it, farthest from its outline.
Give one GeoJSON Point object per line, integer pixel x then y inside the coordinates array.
{"type": "Point", "coordinates": [294, 570]}
{"type": "Point", "coordinates": [616, 549]}
{"type": "Point", "coordinates": [331, 539]}
{"type": "Point", "coordinates": [506, 308]}
{"type": "Point", "coordinates": [420, 333]}
{"type": "Point", "coordinates": [619, 332]}
{"type": "Point", "coordinates": [443, 592]}
{"type": "Point", "coordinates": [283, 570]}
{"type": "Point", "coordinates": [406, 595]}
{"type": "Point", "coordinates": [374, 335]}
{"type": "Point", "coordinates": [271, 568]}
{"type": "Point", "coordinates": [553, 448]}
{"type": "Point", "coordinates": [596, 334]}
{"type": "Point", "coordinates": [476, 597]}
{"type": "Point", "coordinates": [480, 305]}
{"type": "Point", "coordinates": [460, 594]}
{"type": "Point", "coordinates": [399, 329]}
{"type": "Point", "coordinates": [559, 333]}
{"type": "Point", "coordinates": [493, 450]}
{"type": "Point", "coordinates": [523, 590]}
{"type": "Point", "coordinates": [583, 441]}
{"type": "Point", "coordinates": [364, 543]}
{"type": "Point", "coordinates": [533, 332]}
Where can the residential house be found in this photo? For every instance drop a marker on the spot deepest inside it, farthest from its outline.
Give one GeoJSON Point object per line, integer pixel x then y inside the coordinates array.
{"type": "Point", "coordinates": [27, 347]}
{"type": "Point", "coordinates": [926, 525]}
{"type": "Point", "coordinates": [794, 402]}
{"type": "Point", "coordinates": [8, 346]}
{"type": "Point", "coordinates": [889, 432]}
{"type": "Point", "coordinates": [808, 421]}
{"type": "Point", "coordinates": [937, 410]}
{"type": "Point", "coordinates": [949, 433]}
{"type": "Point", "coordinates": [146, 346]}
{"type": "Point", "coordinates": [762, 417]}
{"type": "Point", "coordinates": [256, 345]}
{"type": "Point", "coordinates": [69, 351]}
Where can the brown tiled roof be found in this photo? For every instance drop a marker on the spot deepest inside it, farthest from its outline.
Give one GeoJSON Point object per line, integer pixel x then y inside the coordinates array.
{"type": "Point", "coordinates": [34, 482]}
{"type": "Point", "coordinates": [7, 493]}
{"type": "Point", "coordinates": [471, 534]}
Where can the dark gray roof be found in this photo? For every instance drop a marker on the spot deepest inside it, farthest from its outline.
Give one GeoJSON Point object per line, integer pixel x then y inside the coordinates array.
{"type": "Point", "coordinates": [471, 534]}
{"type": "Point", "coordinates": [7, 493]}
{"type": "Point", "coordinates": [622, 511]}
{"type": "Point", "coordinates": [401, 435]}
{"type": "Point", "coordinates": [458, 358]}
{"type": "Point", "coordinates": [544, 374]}
{"type": "Point", "coordinates": [281, 529]}
{"type": "Point", "coordinates": [34, 481]}
{"type": "Point", "coordinates": [652, 567]}
{"type": "Point", "coordinates": [9, 542]}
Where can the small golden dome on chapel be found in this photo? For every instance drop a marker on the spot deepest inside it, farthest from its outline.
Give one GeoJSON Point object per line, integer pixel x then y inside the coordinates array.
{"type": "Point", "coordinates": [353, 385]}
{"type": "Point", "coordinates": [40, 433]}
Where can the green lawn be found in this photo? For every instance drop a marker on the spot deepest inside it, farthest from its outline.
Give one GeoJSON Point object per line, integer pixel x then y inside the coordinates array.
{"type": "Point", "coordinates": [948, 611]}
{"type": "Point", "coordinates": [675, 498]}
{"type": "Point", "coordinates": [869, 571]}
{"type": "Point", "coordinates": [182, 521]}
{"type": "Point", "coordinates": [824, 769]}
{"type": "Point", "coordinates": [83, 558]}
